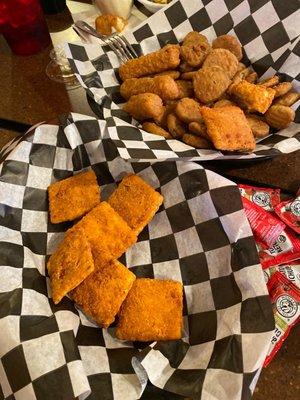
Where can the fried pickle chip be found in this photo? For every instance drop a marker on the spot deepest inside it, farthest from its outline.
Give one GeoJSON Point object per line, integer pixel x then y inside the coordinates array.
{"type": "Point", "coordinates": [252, 77]}
{"type": "Point", "coordinates": [162, 60]}
{"type": "Point", "coordinates": [260, 129]}
{"type": "Point", "coordinates": [194, 49]}
{"type": "Point", "coordinates": [152, 310]}
{"type": "Point", "coordinates": [144, 106]}
{"type": "Point", "coordinates": [102, 293]}
{"type": "Point", "coordinates": [185, 88]}
{"type": "Point", "coordinates": [151, 127]}
{"type": "Point", "coordinates": [70, 264]}
{"type": "Point", "coordinates": [269, 82]}
{"type": "Point", "coordinates": [230, 43]}
{"type": "Point", "coordinates": [253, 97]}
{"type": "Point", "coordinates": [228, 129]}
{"type": "Point", "coordinates": [188, 110]}
{"type": "Point", "coordinates": [196, 141]}
{"type": "Point", "coordinates": [224, 59]}
{"type": "Point", "coordinates": [136, 202]}
{"type": "Point", "coordinates": [279, 116]}
{"type": "Point", "coordinates": [198, 129]}
{"type": "Point", "coordinates": [287, 99]}
{"type": "Point", "coordinates": [210, 83]}
{"type": "Point", "coordinates": [73, 197]}
{"type": "Point", "coordinates": [175, 126]}
{"type": "Point", "coordinates": [107, 232]}
{"type": "Point", "coordinates": [282, 88]}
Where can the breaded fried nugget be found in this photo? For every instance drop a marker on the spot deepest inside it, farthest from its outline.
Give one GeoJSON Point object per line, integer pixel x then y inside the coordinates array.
{"type": "Point", "coordinates": [107, 232]}
{"type": "Point", "coordinates": [224, 59]}
{"type": "Point", "coordinates": [153, 128]}
{"type": "Point", "coordinates": [175, 126]}
{"type": "Point", "coordinates": [103, 292]}
{"type": "Point", "coordinates": [196, 141]}
{"type": "Point", "coordinates": [282, 88]}
{"type": "Point", "coordinates": [162, 60]}
{"type": "Point", "coordinates": [188, 110]}
{"type": "Point", "coordinates": [230, 43]}
{"type": "Point", "coordinates": [194, 49]}
{"type": "Point", "coordinates": [210, 83]}
{"type": "Point", "coordinates": [253, 97]}
{"type": "Point", "coordinates": [287, 99]}
{"type": "Point", "coordinates": [228, 128]}
{"type": "Point", "coordinates": [188, 76]}
{"type": "Point", "coordinates": [164, 86]}
{"type": "Point", "coordinates": [259, 128]}
{"type": "Point", "coordinates": [279, 116]}
{"type": "Point", "coordinates": [144, 106]}
{"type": "Point", "coordinates": [162, 120]}
{"type": "Point", "coordinates": [269, 82]}
{"type": "Point", "coordinates": [136, 201]}
{"type": "Point", "coordinates": [184, 67]}
{"type": "Point", "coordinates": [73, 197]}
{"type": "Point", "coordinates": [198, 129]}
{"type": "Point", "coordinates": [151, 311]}
{"type": "Point", "coordinates": [70, 264]}
{"type": "Point", "coordinates": [172, 74]}
{"type": "Point", "coordinates": [185, 88]}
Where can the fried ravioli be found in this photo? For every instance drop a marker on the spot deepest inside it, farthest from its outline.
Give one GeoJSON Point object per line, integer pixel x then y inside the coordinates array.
{"type": "Point", "coordinates": [152, 310]}
{"type": "Point", "coordinates": [70, 264]}
{"type": "Point", "coordinates": [73, 197]}
{"type": "Point", "coordinates": [136, 202]}
{"type": "Point", "coordinates": [103, 292]}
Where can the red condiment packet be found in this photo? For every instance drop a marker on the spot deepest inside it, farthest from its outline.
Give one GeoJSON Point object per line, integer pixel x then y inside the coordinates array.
{"type": "Point", "coordinates": [289, 212]}
{"type": "Point", "coordinates": [285, 249]}
{"type": "Point", "coordinates": [266, 198]}
{"type": "Point", "coordinates": [264, 225]}
{"type": "Point", "coordinates": [291, 272]}
{"type": "Point", "coordinates": [285, 298]}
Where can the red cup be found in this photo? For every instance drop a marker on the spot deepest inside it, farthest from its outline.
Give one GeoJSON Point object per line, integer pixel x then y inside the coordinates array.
{"type": "Point", "coordinates": [23, 25]}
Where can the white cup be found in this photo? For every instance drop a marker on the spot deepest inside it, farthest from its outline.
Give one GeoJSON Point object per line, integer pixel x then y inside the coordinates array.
{"type": "Point", "coordinates": [122, 8]}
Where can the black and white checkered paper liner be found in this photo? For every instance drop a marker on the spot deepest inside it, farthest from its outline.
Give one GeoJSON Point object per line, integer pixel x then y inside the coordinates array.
{"type": "Point", "coordinates": [269, 32]}
{"type": "Point", "coordinates": [197, 237]}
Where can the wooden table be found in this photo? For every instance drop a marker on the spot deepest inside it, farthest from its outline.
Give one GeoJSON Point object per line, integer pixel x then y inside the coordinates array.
{"type": "Point", "coordinates": [28, 96]}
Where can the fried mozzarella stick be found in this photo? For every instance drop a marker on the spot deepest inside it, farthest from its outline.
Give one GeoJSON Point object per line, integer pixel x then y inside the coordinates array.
{"type": "Point", "coordinates": [144, 106]}
{"type": "Point", "coordinates": [153, 63]}
{"type": "Point", "coordinates": [164, 86]}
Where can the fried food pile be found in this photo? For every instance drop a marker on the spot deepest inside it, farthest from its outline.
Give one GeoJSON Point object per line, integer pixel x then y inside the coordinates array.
{"type": "Point", "coordinates": [85, 266]}
{"type": "Point", "coordinates": [202, 94]}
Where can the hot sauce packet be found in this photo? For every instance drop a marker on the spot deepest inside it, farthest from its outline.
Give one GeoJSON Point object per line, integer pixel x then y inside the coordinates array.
{"type": "Point", "coordinates": [285, 298]}
{"type": "Point", "coordinates": [291, 272]}
{"type": "Point", "coordinates": [289, 212]}
{"type": "Point", "coordinates": [265, 226]}
{"type": "Point", "coordinates": [266, 198]}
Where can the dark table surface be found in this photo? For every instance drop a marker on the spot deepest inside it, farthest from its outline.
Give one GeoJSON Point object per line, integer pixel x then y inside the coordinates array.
{"type": "Point", "coordinates": [28, 97]}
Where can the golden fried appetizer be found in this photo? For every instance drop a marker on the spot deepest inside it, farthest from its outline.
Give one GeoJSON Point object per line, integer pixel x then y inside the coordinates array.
{"type": "Point", "coordinates": [172, 74]}
{"type": "Point", "coordinates": [151, 127]}
{"type": "Point", "coordinates": [164, 86]}
{"type": "Point", "coordinates": [107, 232]}
{"type": "Point", "coordinates": [253, 97]}
{"type": "Point", "coordinates": [185, 88]}
{"type": "Point", "coordinates": [230, 43]}
{"type": "Point", "coordinates": [103, 292]}
{"type": "Point", "coordinates": [185, 67]}
{"type": "Point", "coordinates": [198, 129]}
{"type": "Point", "coordinates": [188, 110]}
{"type": "Point", "coordinates": [282, 88]}
{"type": "Point", "coordinates": [73, 197]}
{"type": "Point", "coordinates": [240, 75]}
{"type": "Point", "coordinates": [224, 59]}
{"type": "Point", "coordinates": [287, 99]}
{"type": "Point", "coordinates": [210, 83]}
{"type": "Point", "coordinates": [162, 120]}
{"type": "Point", "coordinates": [259, 128]}
{"type": "Point", "coordinates": [175, 126]}
{"type": "Point", "coordinates": [188, 76]}
{"type": "Point", "coordinates": [144, 106]}
{"type": "Point", "coordinates": [279, 116]}
{"type": "Point", "coordinates": [152, 310]}
{"type": "Point", "coordinates": [106, 22]}
{"type": "Point", "coordinates": [162, 60]}
{"type": "Point", "coordinates": [70, 264]}
{"type": "Point", "coordinates": [228, 128]}
{"type": "Point", "coordinates": [136, 202]}
{"type": "Point", "coordinates": [252, 77]}
{"type": "Point", "coordinates": [196, 141]}
{"type": "Point", "coordinates": [269, 82]}
{"type": "Point", "coordinates": [194, 49]}
{"type": "Point", "coordinates": [224, 102]}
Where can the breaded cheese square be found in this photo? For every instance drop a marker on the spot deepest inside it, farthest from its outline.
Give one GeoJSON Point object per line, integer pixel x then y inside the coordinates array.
{"type": "Point", "coordinates": [70, 264]}
{"type": "Point", "coordinates": [107, 232]}
{"type": "Point", "coordinates": [152, 310]}
{"type": "Point", "coordinates": [253, 97]}
{"type": "Point", "coordinates": [228, 128]}
{"type": "Point", "coordinates": [136, 202]}
{"type": "Point", "coordinates": [73, 197]}
{"type": "Point", "coordinates": [102, 293]}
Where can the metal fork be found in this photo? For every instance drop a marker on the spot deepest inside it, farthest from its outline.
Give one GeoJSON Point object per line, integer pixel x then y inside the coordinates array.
{"type": "Point", "coordinates": [118, 43]}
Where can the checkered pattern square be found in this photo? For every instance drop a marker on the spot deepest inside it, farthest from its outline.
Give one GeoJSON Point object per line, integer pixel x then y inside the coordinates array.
{"type": "Point", "coordinates": [196, 237]}
{"type": "Point", "coordinates": [271, 45]}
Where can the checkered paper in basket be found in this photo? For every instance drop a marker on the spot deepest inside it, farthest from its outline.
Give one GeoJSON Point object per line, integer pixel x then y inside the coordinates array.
{"type": "Point", "coordinates": [268, 31]}
{"type": "Point", "coordinates": [197, 237]}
